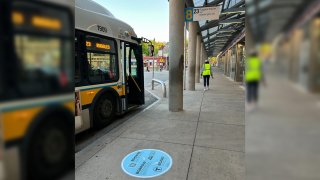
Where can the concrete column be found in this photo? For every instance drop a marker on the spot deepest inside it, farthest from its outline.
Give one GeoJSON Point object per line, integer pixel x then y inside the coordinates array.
{"type": "Point", "coordinates": [176, 38]}
{"type": "Point", "coordinates": [205, 56]}
{"type": "Point", "coordinates": [239, 66]}
{"type": "Point", "coordinates": [193, 28]}
{"type": "Point", "coordinates": [219, 62]}
{"type": "Point", "coordinates": [314, 65]}
{"type": "Point", "coordinates": [202, 54]}
{"type": "Point", "coordinates": [250, 41]}
{"type": "Point", "coordinates": [226, 64]}
{"type": "Point", "coordinates": [198, 61]}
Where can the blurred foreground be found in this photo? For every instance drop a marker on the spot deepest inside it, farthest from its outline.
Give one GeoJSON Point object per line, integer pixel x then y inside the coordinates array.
{"type": "Point", "coordinates": [282, 134]}
{"type": "Point", "coordinates": [36, 89]}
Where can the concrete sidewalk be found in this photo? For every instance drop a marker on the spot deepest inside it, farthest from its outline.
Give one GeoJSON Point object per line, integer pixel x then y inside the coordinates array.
{"type": "Point", "coordinates": [283, 133]}
{"type": "Point", "coordinates": [205, 141]}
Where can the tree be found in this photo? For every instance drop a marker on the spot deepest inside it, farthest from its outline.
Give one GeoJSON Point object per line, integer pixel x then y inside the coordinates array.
{"type": "Point", "coordinates": [145, 50]}
{"type": "Point", "coordinates": [157, 45]}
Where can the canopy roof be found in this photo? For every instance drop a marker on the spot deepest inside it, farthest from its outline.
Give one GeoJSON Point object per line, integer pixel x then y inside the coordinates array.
{"type": "Point", "coordinates": [267, 18]}
{"type": "Point", "coordinates": [217, 35]}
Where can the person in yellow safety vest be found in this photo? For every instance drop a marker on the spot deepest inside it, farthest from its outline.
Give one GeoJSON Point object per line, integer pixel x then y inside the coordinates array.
{"type": "Point", "coordinates": [253, 76]}
{"type": "Point", "coordinates": [206, 71]}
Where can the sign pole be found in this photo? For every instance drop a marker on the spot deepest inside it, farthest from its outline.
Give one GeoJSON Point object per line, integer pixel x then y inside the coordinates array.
{"type": "Point", "coordinates": [152, 82]}
{"type": "Point", "coordinates": [153, 60]}
{"type": "Point", "coordinates": [185, 55]}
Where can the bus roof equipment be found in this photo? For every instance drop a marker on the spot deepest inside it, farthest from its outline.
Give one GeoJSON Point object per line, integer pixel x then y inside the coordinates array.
{"type": "Point", "coordinates": [94, 18]}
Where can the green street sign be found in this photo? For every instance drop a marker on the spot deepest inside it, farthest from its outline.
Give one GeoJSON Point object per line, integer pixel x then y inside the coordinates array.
{"type": "Point", "coordinates": [202, 13]}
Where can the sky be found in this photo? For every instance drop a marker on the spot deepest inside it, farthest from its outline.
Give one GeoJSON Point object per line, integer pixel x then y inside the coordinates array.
{"type": "Point", "coordinates": [149, 18]}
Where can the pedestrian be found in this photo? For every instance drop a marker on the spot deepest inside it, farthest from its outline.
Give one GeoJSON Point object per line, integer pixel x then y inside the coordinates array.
{"type": "Point", "coordinates": [254, 74]}
{"type": "Point", "coordinates": [206, 72]}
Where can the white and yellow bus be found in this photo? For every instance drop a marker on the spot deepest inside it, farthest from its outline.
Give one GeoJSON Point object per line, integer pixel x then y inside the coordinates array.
{"type": "Point", "coordinates": [36, 89]}
{"type": "Point", "coordinates": [108, 66]}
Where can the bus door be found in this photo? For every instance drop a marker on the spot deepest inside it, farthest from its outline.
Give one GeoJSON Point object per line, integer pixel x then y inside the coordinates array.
{"type": "Point", "coordinates": [133, 62]}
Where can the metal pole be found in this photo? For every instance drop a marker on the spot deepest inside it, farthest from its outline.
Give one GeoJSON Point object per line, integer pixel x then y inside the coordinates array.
{"type": "Point", "coordinates": [167, 63]}
{"type": "Point", "coordinates": [153, 60]}
{"type": "Point", "coordinates": [153, 68]}
{"type": "Point", "coordinates": [152, 84]}
{"type": "Point", "coordinates": [185, 56]}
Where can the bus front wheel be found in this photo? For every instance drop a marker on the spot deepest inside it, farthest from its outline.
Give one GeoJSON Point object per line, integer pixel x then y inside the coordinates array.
{"type": "Point", "coordinates": [50, 150]}
{"type": "Point", "coordinates": [104, 111]}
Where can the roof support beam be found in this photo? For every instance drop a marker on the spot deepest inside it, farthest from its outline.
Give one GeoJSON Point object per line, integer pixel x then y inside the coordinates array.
{"type": "Point", "coordinates": [231, 21]}
{"type": "Point", "coordinates": [215, 2]}
{"type": "Point", "coordinates": [234, 10]}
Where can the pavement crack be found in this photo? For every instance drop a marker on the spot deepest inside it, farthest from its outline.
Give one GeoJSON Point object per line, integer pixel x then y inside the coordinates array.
{"type": "Point", "coordinates": [195, 136]}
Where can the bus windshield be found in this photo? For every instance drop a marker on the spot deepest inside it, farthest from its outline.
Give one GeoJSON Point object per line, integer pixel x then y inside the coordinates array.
{"type": "Point", "coordinates": [40, 62]}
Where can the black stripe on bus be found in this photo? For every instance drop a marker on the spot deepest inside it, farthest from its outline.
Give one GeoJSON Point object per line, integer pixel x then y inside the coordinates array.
{"type": "Point", "coordinates": [86, 106]}
{"type": "Point", "coordinates": [12, 143]}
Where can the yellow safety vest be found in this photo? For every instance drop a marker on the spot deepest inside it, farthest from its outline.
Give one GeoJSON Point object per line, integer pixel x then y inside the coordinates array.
{"type": "Point", "coordinates": [206, 70]}
{"type": "Point", "coordinates": [253, 69]}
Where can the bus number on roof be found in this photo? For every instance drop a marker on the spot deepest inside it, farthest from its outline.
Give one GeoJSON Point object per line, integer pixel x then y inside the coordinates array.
{"type": "Point", "coordinates": [102, 29]}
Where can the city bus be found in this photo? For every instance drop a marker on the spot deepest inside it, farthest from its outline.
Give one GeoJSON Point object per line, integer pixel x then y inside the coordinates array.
{"type": "Point", "coordinates": [108, 67]}
{"type": "Point", "coordinates": [36, 89]}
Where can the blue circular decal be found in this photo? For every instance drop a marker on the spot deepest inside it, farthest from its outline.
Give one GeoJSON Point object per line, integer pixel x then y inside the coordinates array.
{"type": "Point", "coordinates": [146, 163]}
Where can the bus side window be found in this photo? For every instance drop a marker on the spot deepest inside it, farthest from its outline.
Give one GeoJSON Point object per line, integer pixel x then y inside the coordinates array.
{"type": "Point", "coordinates": [77, 73]}
{"type": "Point", "coordinates": [133, 67]}
{"type": "Point", "coordinates": [127, 58]}
{"type": "Point", "coordinates": [102, 60]}
{"type": "Point", "coordinates": [40, 64]}
{"type": "Point", "coordinates": [123, 60]}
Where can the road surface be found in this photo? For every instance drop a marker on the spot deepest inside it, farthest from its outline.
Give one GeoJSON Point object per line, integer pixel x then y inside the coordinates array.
{"type": "Point", "coordinates": [163, 76]}
{"type": "Point", "coordinates": [89, 136]}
